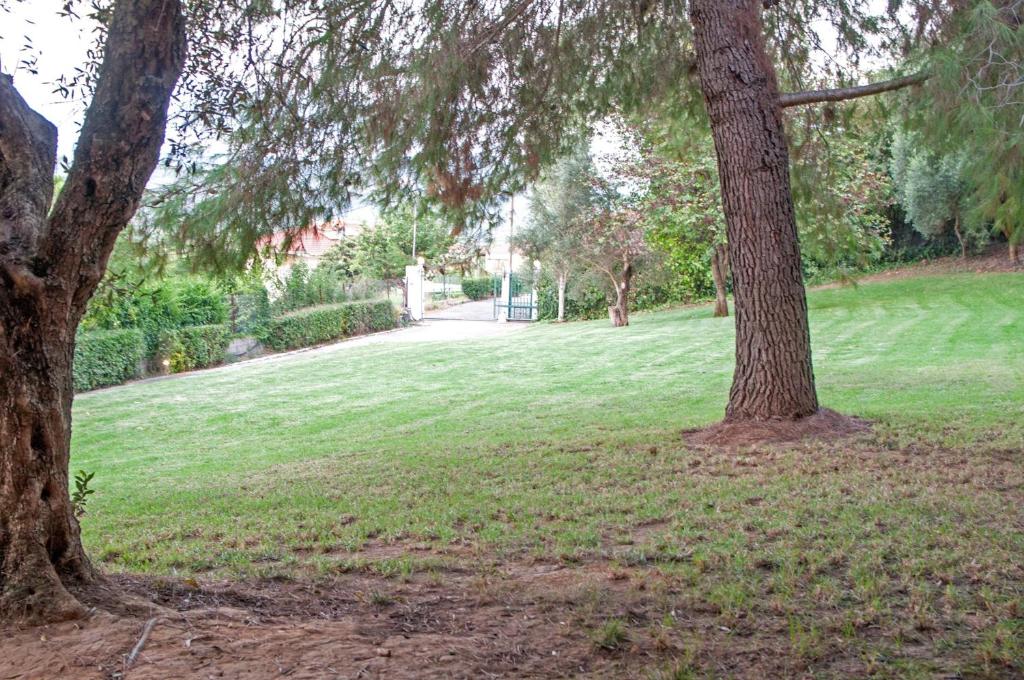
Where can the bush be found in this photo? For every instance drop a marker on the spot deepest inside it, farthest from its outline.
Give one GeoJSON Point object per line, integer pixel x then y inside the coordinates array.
{"type": "Point", "coordinates": [156, 307]}
{"type": "Point", "coordinates": [322, 324]}
{"type": "Point", "coordinates": [194, 347]}
{"type": "Point", "coordinates": [250, 311]}
{"type": "Point", "coordinates": [105, 358]}
{"type": "Point", "coordinates": [479, 288]}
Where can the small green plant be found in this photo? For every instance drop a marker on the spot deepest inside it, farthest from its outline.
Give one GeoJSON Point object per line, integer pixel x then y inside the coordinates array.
{"type": "Point", "coordinates": [612, 635]}
{"type": "Point", "coordinates": [81, 493]}
{"type": "Point", "coordinates": [379, 598]}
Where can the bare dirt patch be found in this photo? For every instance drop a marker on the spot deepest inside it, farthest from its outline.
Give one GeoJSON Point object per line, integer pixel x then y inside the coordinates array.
{"type": "Point", "coordinates": [825, 425]}
{"type": "Point", "coordinates": [517, 623]}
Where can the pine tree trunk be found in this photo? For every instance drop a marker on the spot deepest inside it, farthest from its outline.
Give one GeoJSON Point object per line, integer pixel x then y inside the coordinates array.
{"type": "Point", "coordinates": [773, 376]}
{"type": "Point", "coordinates": [718, 273]}
{"type": "Point", "coordinates": [51, 261]}
{"type": "Point", "coordinates": [561, 298]}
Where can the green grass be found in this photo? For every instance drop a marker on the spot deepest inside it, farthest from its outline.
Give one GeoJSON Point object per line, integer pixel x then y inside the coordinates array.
{"type": "Point", "coordinates": [562, 442]}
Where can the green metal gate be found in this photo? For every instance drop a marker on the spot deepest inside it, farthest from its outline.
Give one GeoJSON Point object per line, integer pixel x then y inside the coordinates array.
{"type": "Point", "coordinates": [519, 302]}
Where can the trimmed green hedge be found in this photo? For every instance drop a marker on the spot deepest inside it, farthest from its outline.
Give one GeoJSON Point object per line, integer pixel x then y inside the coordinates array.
{"type": "Point", "coordinates": [105, 358]}
{"type": "Point", "coordinates": [478, 289]}
{"type": "Point", "coordinates": [323, 324]}
{"type": "Point", "coordinates": [194, 347]}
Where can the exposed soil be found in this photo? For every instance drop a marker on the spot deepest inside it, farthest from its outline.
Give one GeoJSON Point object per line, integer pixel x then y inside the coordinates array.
{"type": "Point", "coordinates": [825, 425]}
{"type": "Point", "coordinates": [524, 621]}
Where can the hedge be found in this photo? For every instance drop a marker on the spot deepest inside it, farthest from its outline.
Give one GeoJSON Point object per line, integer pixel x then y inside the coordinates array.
{"type": "Point", "coordinates": [323, 324]}
{"type": "Point", "coordinates": [194, 347]}
{"type": "Point", "coordinates": [478, 289]}
{"type": "Point", "coordinates": [105, 358]}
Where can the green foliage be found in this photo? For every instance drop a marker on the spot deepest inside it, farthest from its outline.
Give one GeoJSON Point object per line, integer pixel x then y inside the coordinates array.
{"type": "Point", "coordinates": [157, 306]}
{"type": "Point", "coordinates": [105, 358]}
{"type": "Point", "coordinates": [478, 288]}
{"type": "Point", "coordinates": [970, 109]}
{"type": "Point", "coordinates": [380, 255]}
{"type": "Point", "coordinates": [309, 327]}
{"type": "Point", "coordinates": [611, 635]}
{"type": "Point", "coordinates": [340, 260]}
{"type": "Point", "coordinates": [935, 191]}
{"type": "Point", "coordinates": [192, 347]}
{"type": "Point", "coordinates": [80, 494]}
{"type": "Point", "coordinates": [325, 285]}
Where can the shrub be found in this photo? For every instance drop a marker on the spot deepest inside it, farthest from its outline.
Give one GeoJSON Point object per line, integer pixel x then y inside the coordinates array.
{"type": "Point", "coordinates": [194, 347]}
{"type": "Point", "coordinates": [250, 311]}
{"type": "Point", "coordinates": [322, 324]}
{"type": "Point", "coordinates": [479, 288]}
{"type": "Point", "coordinates": [105, 358]}
{"type": "Point", "coordinates": [156, 307]}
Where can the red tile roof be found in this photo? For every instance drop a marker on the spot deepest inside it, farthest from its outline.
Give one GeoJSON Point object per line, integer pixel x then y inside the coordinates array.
{"type": "Point", "coordinates": [313, 241]}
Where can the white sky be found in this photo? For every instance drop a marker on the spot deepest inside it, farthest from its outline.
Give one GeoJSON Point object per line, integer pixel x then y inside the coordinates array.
{"type": "Point", "coordinates": [60, 45]}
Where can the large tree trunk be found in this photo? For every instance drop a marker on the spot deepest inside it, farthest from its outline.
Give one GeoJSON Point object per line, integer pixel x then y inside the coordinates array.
{"type": "Point", "coordinates": [719, 272]}
{"type": "Point", "coordinates": [773, 376]}
{"type": "Point", "coordinates": [50, 265]}
{"type": "Point", "coordinates": [561, 297]}
{"type": "Point", "coordinates": [40, 547]}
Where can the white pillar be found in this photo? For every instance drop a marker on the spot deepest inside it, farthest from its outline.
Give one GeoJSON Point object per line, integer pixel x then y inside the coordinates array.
{"type": "Point", "coordinates": [506, 282]}
{"type": "Point", "coordinates": [414, 291]}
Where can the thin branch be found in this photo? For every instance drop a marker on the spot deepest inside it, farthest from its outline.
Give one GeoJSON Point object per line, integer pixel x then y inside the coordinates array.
{"type": "Point", "coordinates": [137, 649]}
{"type": "Point", "coordinates": [788, 99]}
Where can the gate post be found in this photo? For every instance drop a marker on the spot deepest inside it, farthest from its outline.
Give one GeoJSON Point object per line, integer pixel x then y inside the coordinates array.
{"type": "Point", "coordinates": [534, 298]}
{"type": "Point", "coordinates": [504, 300]}
{"type": "Point", "coordinates": [414, 291]}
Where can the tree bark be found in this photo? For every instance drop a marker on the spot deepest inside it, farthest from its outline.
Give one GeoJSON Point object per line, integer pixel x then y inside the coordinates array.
{"type": "Point", "coordinates": [1014, 251]}
{"type": "Point", "coordinates": [774, 377]}
{"type": "Point", "coordinates": [561, 297]}
{"type": "Point", "coordinates": [719, 272]}
{"type": "Point", "coordinates": [619, 312]}
{"type": "Point", "coordinates": [50, 265]}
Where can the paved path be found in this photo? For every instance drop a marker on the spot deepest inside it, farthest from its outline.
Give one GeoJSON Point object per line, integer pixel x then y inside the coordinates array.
{"type": "Point", "coordinates": [481, 310]}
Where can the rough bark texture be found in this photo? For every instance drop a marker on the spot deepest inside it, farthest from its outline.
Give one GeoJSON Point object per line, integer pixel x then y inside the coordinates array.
{"type": "Point", "coordinates": [720, 272]}
{"type": "Point", "coordinates": [50, 265]}
{"type": "Point", "coordinates": [774, 376]}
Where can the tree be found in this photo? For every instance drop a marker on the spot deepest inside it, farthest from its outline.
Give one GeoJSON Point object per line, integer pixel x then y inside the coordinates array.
{"type": "Point", "coordinates": [969, 113]}
{"type": "Point", "coordinates": [340, 260]}
{"type": "Point", "coordinates": [684, 209]}
{"type": "Point", "coordinates": [473, 105]}
{"type": "Point", "coordinates": [379, 255]}
{"type": "Point", "coordinates": [611, 241]}
{"type": "Point", "coordinates": [51, 261]}
{"type": "Point", "coordinates": [933, 190]}
{"type": "Point", "coordinates": [558, 202]}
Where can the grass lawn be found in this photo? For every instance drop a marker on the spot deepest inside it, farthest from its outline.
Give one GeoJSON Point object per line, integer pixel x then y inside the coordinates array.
{"type": "Point", "coordinates": [897, 554]}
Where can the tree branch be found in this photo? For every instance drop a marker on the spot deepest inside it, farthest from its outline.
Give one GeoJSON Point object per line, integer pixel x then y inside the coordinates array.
{"type": "Point", "coordinates": [120, 142]}
{"type": "Point", "coordinates": [28, 151]}
{"type": "Point", "coordinates": [788, 99]}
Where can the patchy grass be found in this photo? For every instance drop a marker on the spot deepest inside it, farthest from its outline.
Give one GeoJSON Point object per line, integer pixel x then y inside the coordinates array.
{"type": "Point", "coordinates": [895, 554]}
